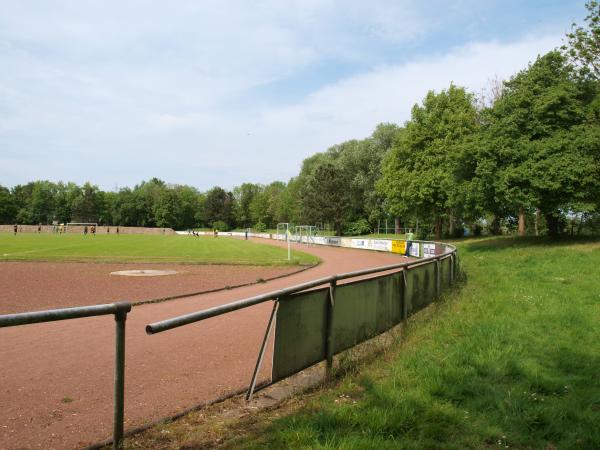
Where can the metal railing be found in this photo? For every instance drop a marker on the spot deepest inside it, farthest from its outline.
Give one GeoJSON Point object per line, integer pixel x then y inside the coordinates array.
{"type": "Point", "coordinates": [187, 319]}
{"type": "Point", "coordinates": [119, 310]}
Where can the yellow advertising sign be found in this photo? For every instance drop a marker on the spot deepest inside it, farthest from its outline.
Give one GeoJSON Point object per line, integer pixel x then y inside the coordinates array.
{"type": "Point", "coordinates": [399, 247]}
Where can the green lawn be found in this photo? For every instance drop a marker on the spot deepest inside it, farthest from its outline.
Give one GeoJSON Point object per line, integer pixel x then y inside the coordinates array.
{"type": "Point", "coordinates": [511, 360]}
{"type": "Point", "coordinates": [144, 248]}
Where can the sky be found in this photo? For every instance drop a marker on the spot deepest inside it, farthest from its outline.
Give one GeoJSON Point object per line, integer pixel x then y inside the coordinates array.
{"type": "Point", "coordinates": [222, 92]}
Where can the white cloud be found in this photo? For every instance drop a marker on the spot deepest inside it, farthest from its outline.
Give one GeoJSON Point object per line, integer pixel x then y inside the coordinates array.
{"type": "Point", "coordinates": [118, 92]}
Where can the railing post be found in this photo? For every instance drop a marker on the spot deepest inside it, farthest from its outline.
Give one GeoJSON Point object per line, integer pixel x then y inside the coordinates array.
{"type": "Point", "coordinates": [437, 278]}
{"type": "Point", "coordinates": [120, 318]}
{"type": "Point", "coordinates": [329, 331]}
{"type": "Point", "coordinates": [404, 289]}
{"type": "Point", "coordinates": [261, 353]}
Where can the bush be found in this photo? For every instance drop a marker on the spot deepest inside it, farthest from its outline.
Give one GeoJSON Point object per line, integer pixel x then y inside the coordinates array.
{"type": "Point", "coordinates": [358, 228]}
{"type": "Point", "coordinates": [220, 225]}
{"type": "Point", "coordinates": [259, 227]}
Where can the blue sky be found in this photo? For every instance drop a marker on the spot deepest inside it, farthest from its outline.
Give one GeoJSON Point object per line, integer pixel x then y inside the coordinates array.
{"type": "Point", "coordinates": [212, 93]}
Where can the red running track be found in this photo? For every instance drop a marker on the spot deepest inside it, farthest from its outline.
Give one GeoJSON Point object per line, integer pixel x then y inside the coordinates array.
{"type": "Point", "coordinates": [56, 387]}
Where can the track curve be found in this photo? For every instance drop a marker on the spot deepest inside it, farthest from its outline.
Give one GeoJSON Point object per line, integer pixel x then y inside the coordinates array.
{"type": "Point", "coordinates": [57, 378]}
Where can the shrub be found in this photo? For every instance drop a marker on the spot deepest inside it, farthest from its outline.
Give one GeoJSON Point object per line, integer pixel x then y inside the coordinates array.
{"type": "Point", "coordinates": [260, 227]}
{"type": "Point", "coordinates": [220, 225]}
{"type": "Point", "coordinates": [360, 227]}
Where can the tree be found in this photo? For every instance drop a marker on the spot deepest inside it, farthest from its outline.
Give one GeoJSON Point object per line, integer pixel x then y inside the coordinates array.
{"type": "Point", "coordinates": [418, 174]}
{"type": "Point", "coordinates": [8, 210]}
{"type": "Point", "coordinates": [244, 196]}
{"type": "Point", "coordinates": [86, 206]}
{"type": "Point", "coordinates": [583, 44]}
{"type": "Point", "coordinates": [325, 196]}
{"type": "Point", "coordinates": [219, 207]}
{"type": "Point", "coordinates": [534, 163]}
{"type": "Point", "coordinates": [188, 206]}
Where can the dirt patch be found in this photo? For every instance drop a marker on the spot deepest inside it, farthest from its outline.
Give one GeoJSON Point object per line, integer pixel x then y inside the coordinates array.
{"type": "Point", "coordinates": [30, 286]}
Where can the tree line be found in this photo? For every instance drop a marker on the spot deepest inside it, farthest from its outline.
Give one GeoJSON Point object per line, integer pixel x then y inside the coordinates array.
{"type": "Point", "coordinates": [524, 157]}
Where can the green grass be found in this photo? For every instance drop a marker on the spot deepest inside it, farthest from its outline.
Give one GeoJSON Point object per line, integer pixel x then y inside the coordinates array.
{"type": "Point", "coordinates": [144, 248]}
{"type": "Point", "coordinates": [512, 360]}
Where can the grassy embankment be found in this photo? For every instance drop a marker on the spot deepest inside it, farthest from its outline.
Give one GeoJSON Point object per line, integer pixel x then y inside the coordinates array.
{"type": "Point", "coordinates": [144, 248]}
{"type": "Point", "coordinates": [512, 360]}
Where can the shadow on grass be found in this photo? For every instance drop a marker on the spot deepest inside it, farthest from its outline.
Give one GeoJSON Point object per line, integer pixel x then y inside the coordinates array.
{"type": "Point", "coordinates": [551, 401]}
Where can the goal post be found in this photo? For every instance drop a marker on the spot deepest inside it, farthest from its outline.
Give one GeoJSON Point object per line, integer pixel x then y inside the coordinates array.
{"type": "Point", "coordinates": [306, 234]}
{"type": "Point", "coordinates": [284, 227]}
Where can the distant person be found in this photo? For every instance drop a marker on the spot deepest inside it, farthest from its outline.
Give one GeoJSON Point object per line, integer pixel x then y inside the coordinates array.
{"type": "Point", "coordinates": [246, 233]}
{"type": "Point", "coordinates": [93, 230]}
{"type": "Point", "coordinates": [409, 238]}
{"type": "Point", "coordinates": [16, 228]}
{"type": "Point", "coordinates": [107, 230]}
{"type": "Point", "coordinates": [117, 231]}
{"type": "Point", "coordinates": [85, 230]}
{"type": "Point", "coordinates": [39, 228]}
{"type": "Point", "coordinates": [216, 232]}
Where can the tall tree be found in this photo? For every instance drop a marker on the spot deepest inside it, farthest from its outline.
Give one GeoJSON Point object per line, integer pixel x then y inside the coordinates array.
{"type": "Point", "coordinates": [325, 196]}
{"type": "Point", "coordinates": [86, 206]}
{"type": "Point", "coordinates": [583, 43]}
{"type": "Point", "coordinates": [244, 196]}
{"type": "Point", "coordinates": [527, 139]}
{"type": "Point", "coordinates": [418, 174]}
{"type": "Point", "coordinates": [219, 207]}
{"type": "Point", "coordinates": [8, 210]}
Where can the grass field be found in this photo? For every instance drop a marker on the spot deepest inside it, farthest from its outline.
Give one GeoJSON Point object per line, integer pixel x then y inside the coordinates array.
{"type": "Point", "coordinates": [144, 248]}
{"type": "Point", "coordinates": [511, 360]}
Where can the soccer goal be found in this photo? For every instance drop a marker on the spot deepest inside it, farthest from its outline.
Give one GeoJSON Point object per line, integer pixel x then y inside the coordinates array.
{"type": "Point", "coordinates": [77, 227]}
{"type": "Point", "coordinates": [305, 234]}
{"type": "Point", "coordinates": [283, 233]}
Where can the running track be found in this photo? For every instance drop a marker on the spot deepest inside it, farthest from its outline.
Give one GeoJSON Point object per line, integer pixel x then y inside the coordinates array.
{"type": "Point", "coordinates": [56, 387]}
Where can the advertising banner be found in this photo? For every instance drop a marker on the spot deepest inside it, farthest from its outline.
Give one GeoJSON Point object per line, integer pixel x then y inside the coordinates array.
{"type": "Point", "coordinates": [384, 245]}
{"type": "Point", "coordinates": [333, 241]}
{"type": "Point", "coordinates": [359, 243]}
{"type": "Point", "coordinates": [428, 250]}
{"type": "Point", "coordinates": [346, 242]}
{"type": "Point", "coordinates": [399, 247]}
{"type": "Point", "coordinates": [415, 249]}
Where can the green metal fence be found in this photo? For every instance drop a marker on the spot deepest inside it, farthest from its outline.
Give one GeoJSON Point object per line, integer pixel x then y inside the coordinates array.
{"type": "Point", "coordinates": [316, 320]}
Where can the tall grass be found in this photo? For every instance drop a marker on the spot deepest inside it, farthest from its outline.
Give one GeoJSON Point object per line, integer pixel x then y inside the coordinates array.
{"type": "Point", "coordinates": [510, 361]}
